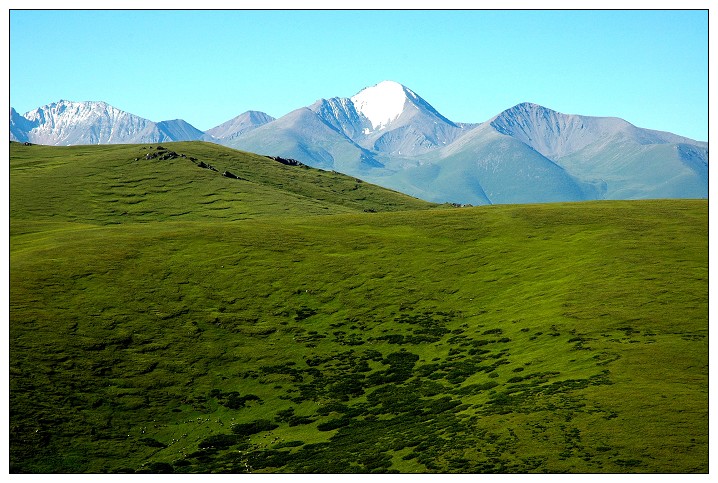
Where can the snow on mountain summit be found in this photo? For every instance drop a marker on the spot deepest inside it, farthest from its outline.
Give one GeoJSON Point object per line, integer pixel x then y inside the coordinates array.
{"type": "Point", "coordinates": [95, 122]}
{"type": "Point", "coordinates": [388, 118]}
{"type": "Point", "coordinates": [381, 103]}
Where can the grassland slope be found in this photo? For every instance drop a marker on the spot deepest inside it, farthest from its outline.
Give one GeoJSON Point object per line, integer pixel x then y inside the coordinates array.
{"type": "Point", "coordinates": [111, 184]}
{"type": "Point", "coordinates": [151, 332]}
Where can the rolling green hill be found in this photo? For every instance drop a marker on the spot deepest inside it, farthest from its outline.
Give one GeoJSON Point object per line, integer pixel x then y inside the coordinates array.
{"type": "Point", "coordinates": [112, 184]}
{"type": "Point", "coordinates": [166, 318]}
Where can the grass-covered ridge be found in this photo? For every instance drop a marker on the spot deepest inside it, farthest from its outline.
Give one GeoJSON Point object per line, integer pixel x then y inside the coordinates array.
{"type": "Point", "coordinates": [117, 184]}
{"type": "Point", "coordinates": [566, 337]}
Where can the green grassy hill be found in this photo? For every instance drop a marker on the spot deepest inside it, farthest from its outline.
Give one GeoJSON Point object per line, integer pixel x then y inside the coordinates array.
{"type": "Point", "coordinates": [113, 184]}
{"type": "Point", "coordinates": [166, 318]}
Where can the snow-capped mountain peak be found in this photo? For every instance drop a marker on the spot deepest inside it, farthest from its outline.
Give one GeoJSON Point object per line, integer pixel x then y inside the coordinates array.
{"type": "Point", "coordinates": [389, 118]}
{"type": "Point", "coordinates": [381, 103]}
{"type": "Point", "coordinates": [66, 109]}
{"type": "Point", "coordinates": [94, 122]}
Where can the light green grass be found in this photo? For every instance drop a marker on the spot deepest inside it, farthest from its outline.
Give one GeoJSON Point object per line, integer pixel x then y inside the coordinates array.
{"type": "Point", "coordinates": [116, 184]}
{"type": "Point", "coordinates": [543, 338]}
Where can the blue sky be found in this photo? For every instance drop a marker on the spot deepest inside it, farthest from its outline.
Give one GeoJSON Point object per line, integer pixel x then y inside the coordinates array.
{"type": "Point", "coordinates": [648, 67]}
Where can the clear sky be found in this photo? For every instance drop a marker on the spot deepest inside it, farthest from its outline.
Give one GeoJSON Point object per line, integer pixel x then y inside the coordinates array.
{"type": "Point", "coordinates": [648, 67]}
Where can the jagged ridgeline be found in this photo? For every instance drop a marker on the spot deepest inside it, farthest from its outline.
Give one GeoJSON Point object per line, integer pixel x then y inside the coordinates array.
{"type": "Point", "coordinates": [189, 308]}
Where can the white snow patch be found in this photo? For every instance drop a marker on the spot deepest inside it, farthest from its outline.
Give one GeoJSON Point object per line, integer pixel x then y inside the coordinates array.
{"type": "Point", "coordinates": [381, 103]}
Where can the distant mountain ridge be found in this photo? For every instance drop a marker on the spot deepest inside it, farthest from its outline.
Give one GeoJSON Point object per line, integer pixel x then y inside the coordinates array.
{"type": "Point", "coordinates": [556, 135]}
{"type": "Point", "coordinates": [95, 122]}
{"type": "Point", "coordinates": [239, 125]}
{"type": "Point", "coordinates": [389, 135]}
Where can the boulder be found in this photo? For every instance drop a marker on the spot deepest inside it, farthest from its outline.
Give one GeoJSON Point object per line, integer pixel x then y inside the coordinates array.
{"type": "Point", "coordinates": [204, 165]}
{"type": "Point", "coordinates": [169, 155]}
{"type": "Point", "coordinates": [286, 161]}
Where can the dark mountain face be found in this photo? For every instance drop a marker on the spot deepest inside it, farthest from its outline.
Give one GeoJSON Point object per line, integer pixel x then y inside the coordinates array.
{"type": "Point", "coordinates": [19, 126]}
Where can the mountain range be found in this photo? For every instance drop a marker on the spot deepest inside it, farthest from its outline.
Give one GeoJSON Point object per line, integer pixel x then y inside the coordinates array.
{"type": "Point", "coordinates": [387, 134]}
